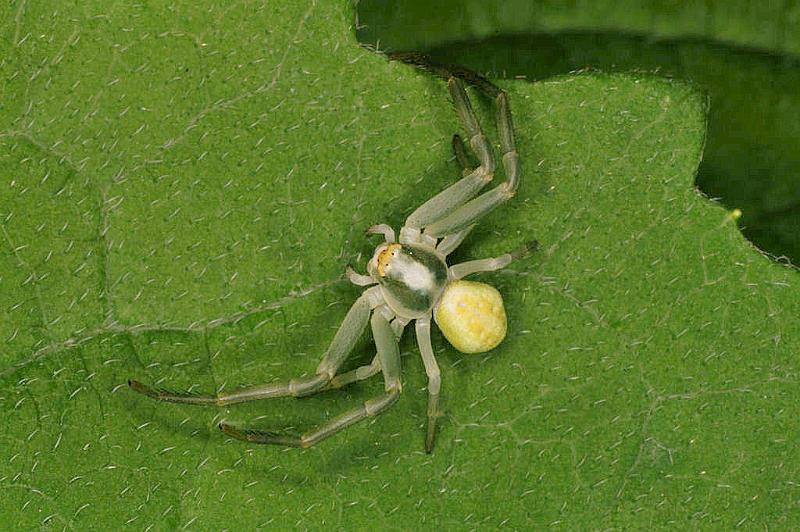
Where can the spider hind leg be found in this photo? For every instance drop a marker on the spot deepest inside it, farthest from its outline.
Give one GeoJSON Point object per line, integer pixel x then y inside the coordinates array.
{"type": "Point", "coordinates": [389, 358]}
{"type": "Point", "coordinates": [299, 387]}
{"type": "Point", "coordinates": [342, 344]}
{"type": "Point", "coordinates": [370, 408]}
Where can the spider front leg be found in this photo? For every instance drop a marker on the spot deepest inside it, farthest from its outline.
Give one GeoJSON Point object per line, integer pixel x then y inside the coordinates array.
{"type": "Point", "coordinates": [460, 153]}
{"type": "Point", "coordinates": [466, 188]}
{"type": "Point", "coordinates": [389, 357]}
{"type": "Point", "coordinates": [466, 213]}
{"type": "Point", "coordinates": [343, 342]}
{"type": "Point", "coordinates": [451, 242]}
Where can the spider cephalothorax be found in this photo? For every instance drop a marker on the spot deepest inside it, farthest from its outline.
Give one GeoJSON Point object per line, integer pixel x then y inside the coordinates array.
{"type": "Point", "coordinates": [411, 278]}
{"type": "Point", "coordinates": [408, 279]}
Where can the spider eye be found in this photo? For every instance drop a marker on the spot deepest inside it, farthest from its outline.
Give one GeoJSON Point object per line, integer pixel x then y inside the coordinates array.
{"type": "Point", "coordinates": [385, 257]}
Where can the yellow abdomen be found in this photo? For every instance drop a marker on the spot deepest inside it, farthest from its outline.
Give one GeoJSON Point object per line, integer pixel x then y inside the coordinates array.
{"type": "Point", "coordinates": [471, 316]}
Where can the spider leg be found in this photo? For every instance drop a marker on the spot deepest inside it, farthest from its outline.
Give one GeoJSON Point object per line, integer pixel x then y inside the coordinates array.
{"type": "Point", "coordinates": [373, 368]}
{"type": "Point", "coordinates": [359, 374]}
{"type": "Point", "coordinates": [466, 188]}
{"type": "Point", "coordinates": [358, 279]}
{"type": "Point", "coordinates": [398, 325]}
{"type": "Point", "coordinates": [343, 341]}
{"type": "Point", "coordinates": [471, 211]}
{"type": "Point", "coordinates": [423, 326]}
{"type": "Point", "coordinates": [460, 152]}
{"type": "Point", "coordinates": [389, 358]}
{"type": "Point", "coordinates": [382, 229]}
{"type": "Point", "coordinates": [459, 271]}
{"type": "Point", "coordinates": [451, 242]}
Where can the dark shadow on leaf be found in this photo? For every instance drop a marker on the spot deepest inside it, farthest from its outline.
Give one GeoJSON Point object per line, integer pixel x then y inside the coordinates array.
{"type": "Point", "coordinates": [751, 161]}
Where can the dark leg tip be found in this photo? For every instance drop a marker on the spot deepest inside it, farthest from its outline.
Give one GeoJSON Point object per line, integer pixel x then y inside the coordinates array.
{"type": "Point", "coordinates": [143, 389]}
{"type": "Point", "coordinates": [232, 431]}
{"type": "Point", "coordinates": [429, 442]}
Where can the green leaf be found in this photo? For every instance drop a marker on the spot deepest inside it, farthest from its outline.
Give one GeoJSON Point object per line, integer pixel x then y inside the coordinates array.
{"type": "Point", "coordinates": [744, 55]}
{"type": "Point", "coordinates": [182, 188]}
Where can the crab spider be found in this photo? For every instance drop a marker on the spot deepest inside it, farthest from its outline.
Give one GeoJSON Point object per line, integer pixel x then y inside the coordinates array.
{"type": "Point", "coordinates": [407, 280]}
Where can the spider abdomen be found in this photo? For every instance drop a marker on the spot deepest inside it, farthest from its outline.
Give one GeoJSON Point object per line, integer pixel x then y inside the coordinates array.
{"type": "Point", "coordinates": [471, 316]}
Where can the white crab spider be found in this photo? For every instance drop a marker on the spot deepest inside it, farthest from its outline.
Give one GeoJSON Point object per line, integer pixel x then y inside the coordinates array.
{"type": "Point", "coordinates": [408, 280]}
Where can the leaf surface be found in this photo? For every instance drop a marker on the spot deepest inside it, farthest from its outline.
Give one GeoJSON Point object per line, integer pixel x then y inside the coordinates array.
{"type": "Point", "coordinates": [182, 188]}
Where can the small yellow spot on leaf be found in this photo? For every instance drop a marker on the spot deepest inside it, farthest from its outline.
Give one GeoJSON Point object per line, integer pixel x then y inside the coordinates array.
{"type": "Point", "coordinates": [732, 216]}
